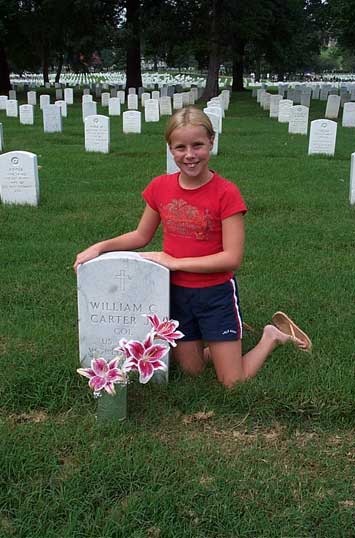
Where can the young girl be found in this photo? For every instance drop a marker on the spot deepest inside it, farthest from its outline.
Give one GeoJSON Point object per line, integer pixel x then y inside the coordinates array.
{"type": "Point", "coordinates": [203, 240]}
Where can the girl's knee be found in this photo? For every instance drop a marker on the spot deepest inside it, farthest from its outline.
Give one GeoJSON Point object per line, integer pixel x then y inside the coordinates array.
{"type": "Point", "coordinates": [229, 381]}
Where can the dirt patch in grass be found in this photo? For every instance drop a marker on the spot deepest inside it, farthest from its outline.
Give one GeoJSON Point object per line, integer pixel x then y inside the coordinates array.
{"type": "Point", "coordinates": [30, 417]}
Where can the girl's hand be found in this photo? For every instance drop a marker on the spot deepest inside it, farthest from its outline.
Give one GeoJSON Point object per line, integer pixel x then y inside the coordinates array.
{"type": "Point", "coordinates": [160, 257]}
{"type": "Point", "coordinates": [86, 255]}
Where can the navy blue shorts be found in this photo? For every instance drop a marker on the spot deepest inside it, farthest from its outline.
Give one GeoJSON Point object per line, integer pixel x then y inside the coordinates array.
{"type": "Point", "coordinates": [210, 314]}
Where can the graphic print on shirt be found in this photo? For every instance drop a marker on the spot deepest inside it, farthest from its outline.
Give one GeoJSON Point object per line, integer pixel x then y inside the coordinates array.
{"type": "Point", "coordinates": [182, 219]}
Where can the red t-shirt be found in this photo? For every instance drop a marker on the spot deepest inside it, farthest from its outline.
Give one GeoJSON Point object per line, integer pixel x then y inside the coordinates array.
{"type": "Point", "coordinates": [192, 221]}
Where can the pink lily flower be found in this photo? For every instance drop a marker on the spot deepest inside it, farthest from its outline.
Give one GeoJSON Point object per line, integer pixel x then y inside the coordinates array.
{"type": "Point", "coordinates": [145, 357]}
{"type": "Point", "coordinates": [103, 375]}
{"type": "Point", "coordinates": [165, 330]}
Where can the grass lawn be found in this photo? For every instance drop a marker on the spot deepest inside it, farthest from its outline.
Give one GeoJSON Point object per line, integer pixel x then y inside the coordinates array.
{"type": "Point", "coordinates": [271, 458]}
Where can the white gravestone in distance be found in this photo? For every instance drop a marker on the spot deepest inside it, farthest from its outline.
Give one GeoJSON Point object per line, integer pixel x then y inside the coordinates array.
{"type": "Point", "coordinates": [59, 94]}
{"type": "Point", "coordinates": [122, 96]}
{"type": "Point", "coordinates": [88, 109]}
{"type": "Point", "coordinates": [333, 105]}
{"type": "Point", "coordinates": [26, 115]}
{"type": "Point", "coordinates": [131, 121]}
{"type": "Point", "coordinates": [165, 106]}
{"type": "Point", "coordinates": [3, 99]}
{"type": "Point", "coordinates": [298, 122]}
{"type": "Point", "coordinates": [215, 120]}
{"type": "Point", "coordinates": [12, 94]}
{"type": "Point", "coordinates": [32, 98]}
{"type": "Point", "coordinates": [274, 105]}
{"type": "Point", "coordinates": [352, 180]}
{"type": "Point", "coordinates": [144, 97]}
{"type": "Point", "coordinates": [19, 178]}
{"type": "Point", "coordinates": [177, 101]}
{"type": "Point", "coordinates": [115, 290]}
{"type": "Point", "coordinates": [151, 110]}
{"type": "Point", "coordinates": [114, 106]}
{"type": "Point", "coordinates": [348, 115]}
{"type": "Point", "coordinates": [97, 134]}
{"type": "Point", "coordinates": [132, 101]}
{"type": "Point", "coordinates": [44, 100]}
{"type": "Point", "coordinates": [284, 110]}
{"type": "Point", "coordinates": [1, 138]}
{"type": "Point", "coordinates": [12, 108]}
{"type": "Point", "coordinates": [69, 96]}
{"type": "Point", "coordinates": [322, 137]}
{"type": "Point", "coordinates": [63, 107]}
{"type": "Point", "coordinates": [86, 98]}
{"type": "Point", "coordinates": [171, 166]}
{"type": "Point", "coordinates": [105, 96]}
{"type": "Point", "coordinates": [131, 91]}
{"type": "Point", "coordinates": [52, 119]}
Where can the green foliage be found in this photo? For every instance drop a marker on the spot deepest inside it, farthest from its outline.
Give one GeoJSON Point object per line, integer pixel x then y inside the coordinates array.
{"type": "Point", "coordinates": [271, 457]}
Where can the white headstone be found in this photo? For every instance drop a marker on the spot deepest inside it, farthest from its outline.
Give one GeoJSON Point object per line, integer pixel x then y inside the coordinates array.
{"type": "Point", "coordinates": [165, 106]}
{"type": "Point", "coordinates": [298, 122]}
{"type": "Point", "coordinates": [86, 98]}
{"type": "Point", "coordinates": [1, 138]}
{"type": "Point", "coordinates": [12, 108]}
{"type": "Point", "coordinates": [105, 97]}
{"type": "Point", "coordinates": [352, 180]}
{"type": "Point", "coordinates": [114, 106]}
{"type": "Point", "coordinates": [348, 115]}
{"type": "Point", "coordinates": [131, 121]}
{"type": "Point", "coordinates": [88, 109]}
{"type": "Point", "coordinates": [26, 114]}
{"type": "Point", "coordinates": [333, 105]}
{"type": "Point", "coordinates": [306, 99]}
{"type": "Point", "coordinates": [59, 94]}
{"type": "Point", "coordinates": [274, 105]}
{"type": "Point", "coordinates": [131, 91]}
{"type": "Point", "coordinates": [177, 101]}
{"type": "Point", "coordinates": [69, 96]}
{"type": "Point", "coordinates": [52, 119]}
{"type": "Point", "coordinates": [322, 137]}
{"type": "Point", "coordinates": [19, 178]}
{"type": "Point", "coordinates": [32, 98]}
{"type": "Point", "coordinates": [284, 110]}
{"type": "Point", "coordinates": [122, 96]}
{"type": "Point", "coordinates": [171, 166]}
{"type": "Point", "coordinates": [3, 99]}
{"type": "Point", "coordinates": [144, 97]}
{"type": "Point", "coordinates": [151, 110]}
{"type": "Point", "coordinates": [12, 94]}
{"type": "Point", "coordinates": [132, 101]}
{"type": "Point", "coordinates": [44, 100]}
{"type": "Point", "coordinates": [156, 95]}
{"type": "Point", "coordinates": [97, 134]}
{"type": "Point", "coordinates": [63, 108]}
{"type": "Point", "coordinates": [215, 110]}
{"type": "Point", "coordinates": [215, 120]}
{"type": "Point", "coordinates": [115, 292]}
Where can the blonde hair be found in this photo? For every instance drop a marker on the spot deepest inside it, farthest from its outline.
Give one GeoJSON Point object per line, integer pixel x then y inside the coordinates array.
{"type": "Point", "coordinates": [189, 115]}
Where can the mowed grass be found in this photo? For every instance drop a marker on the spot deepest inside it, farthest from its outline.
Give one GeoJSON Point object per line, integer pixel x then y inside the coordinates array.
{"type": "Point", "coordinates": [271, 458]}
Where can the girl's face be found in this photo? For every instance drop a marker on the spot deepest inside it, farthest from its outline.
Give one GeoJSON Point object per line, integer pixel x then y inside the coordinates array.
{"type": "Point", "coordinates": [190, 147]}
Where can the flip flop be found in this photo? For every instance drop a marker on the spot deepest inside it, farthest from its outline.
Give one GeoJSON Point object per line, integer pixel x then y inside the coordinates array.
{"type": "Point", "coordinates": [287, 326]}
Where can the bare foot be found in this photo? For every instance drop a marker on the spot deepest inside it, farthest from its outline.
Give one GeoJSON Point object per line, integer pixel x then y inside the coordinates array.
{"type": "Point", "coordinates": [278, 337]}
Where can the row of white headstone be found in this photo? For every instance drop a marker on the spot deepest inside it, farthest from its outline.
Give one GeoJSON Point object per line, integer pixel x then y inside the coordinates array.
{"type": "Point", "coordinates": [322, 138]}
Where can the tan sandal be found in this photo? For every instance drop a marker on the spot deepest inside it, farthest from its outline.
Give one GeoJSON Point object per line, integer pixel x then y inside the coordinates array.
{"type": "Point", "coordinates": [287, 326]}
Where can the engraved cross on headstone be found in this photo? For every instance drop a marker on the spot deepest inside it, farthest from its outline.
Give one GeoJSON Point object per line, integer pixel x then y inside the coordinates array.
{"type": "Point", "coordinates": [121, 277]}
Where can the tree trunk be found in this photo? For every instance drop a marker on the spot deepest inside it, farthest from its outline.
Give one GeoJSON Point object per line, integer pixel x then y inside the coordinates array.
{"type": "Point", "coordinates": [59, 67]}
{"type": "Point", "coordinates": [212, 88]}
{"type": "Point", "coordinates": [45, 65]}
{"type": "Point", "coordinates": [133, 65]}
{"type": "Point", "coordinates": [5, 84]}
{"type": "Point", "coordinates": [257, 70]}
{"type": "Point", "coordinates": [238, 66]}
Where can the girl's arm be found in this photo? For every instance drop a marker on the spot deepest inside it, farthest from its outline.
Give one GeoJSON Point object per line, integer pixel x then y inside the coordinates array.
{"type": "Point", "coordinates": [229, 259]}
{"type": "Point", "coordinates": [140, 237]}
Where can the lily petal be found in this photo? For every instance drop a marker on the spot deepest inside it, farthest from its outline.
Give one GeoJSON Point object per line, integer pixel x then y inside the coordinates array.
{"type": "Point", "coordinates": [97, 383]}
{"type": "Point", "coordinates": [99, 366]}
{"type": "Point", "coordinates": [146, 371]}
{"type": "Point", "coordinates": [86, 372]}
